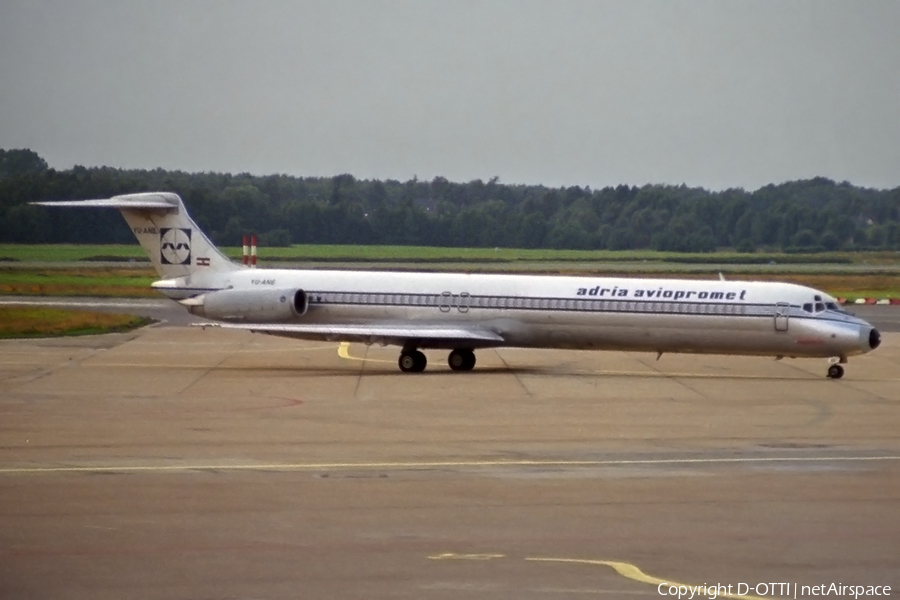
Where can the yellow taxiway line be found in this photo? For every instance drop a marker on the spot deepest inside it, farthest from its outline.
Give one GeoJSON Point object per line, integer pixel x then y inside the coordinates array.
{"type": "Point", "coordinates": [630, 571]}
{"type": "Point", "coordinates": [344, 352]}
{"type": "Point", "coordinates": [624, 569]}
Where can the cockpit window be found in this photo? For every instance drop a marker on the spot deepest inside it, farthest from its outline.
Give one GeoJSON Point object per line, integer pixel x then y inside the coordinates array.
{"type": "Point", "coordinates": [837, 307]}
{"type": "Point", "coordinates": [819, 306]}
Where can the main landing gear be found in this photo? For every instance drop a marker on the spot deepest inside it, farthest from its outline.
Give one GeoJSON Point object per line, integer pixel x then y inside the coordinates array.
{"type": "Point", "coordinates": [413, 361]}
{"type": "Point", "coordinates": [461, 359]}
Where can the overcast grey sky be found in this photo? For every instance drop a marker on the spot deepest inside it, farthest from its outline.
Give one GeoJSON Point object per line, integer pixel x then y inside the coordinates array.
{"type": "Point", "coordinates": [711, 93]}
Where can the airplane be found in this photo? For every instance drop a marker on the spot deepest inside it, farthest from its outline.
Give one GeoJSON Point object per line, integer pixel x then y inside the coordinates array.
{"type": "Point", "coordinates": [463, 312]}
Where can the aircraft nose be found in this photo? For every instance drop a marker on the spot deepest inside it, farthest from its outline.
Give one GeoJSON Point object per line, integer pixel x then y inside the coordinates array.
{"type": "Point", "coordinates": [874, 338]}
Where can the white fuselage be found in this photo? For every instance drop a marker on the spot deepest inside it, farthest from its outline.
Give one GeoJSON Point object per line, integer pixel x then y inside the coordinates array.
{"type": "Point", "coordinates": [462, 312]}
{"type": "Point", "coordinates": [659, 315]}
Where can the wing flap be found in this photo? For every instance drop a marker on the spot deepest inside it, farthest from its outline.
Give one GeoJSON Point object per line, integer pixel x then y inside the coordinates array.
{"type": "Point", "coordinates": [423, 335]}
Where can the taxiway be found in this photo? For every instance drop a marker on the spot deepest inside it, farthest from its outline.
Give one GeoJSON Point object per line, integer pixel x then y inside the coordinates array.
{"type": "Point", "coordinates": [174, 462]}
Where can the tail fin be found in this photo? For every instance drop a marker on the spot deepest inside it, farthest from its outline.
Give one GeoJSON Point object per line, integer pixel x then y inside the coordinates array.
{"type": "Point", "coordinates": [173, 242]}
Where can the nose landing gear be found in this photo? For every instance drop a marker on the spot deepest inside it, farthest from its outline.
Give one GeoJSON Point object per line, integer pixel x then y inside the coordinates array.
{"type": "Point", "coordinates": [835, 372]}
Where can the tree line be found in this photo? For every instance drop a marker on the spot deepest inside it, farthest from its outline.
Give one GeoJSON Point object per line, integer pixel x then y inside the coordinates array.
{"type": "Point", "coordinates": [798, 216]}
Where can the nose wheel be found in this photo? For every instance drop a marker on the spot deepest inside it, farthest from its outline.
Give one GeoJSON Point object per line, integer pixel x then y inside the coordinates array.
{"type": "Point", "coordinates": [412, 361]}
{"type": "Point", "coordinates": [835, 372]}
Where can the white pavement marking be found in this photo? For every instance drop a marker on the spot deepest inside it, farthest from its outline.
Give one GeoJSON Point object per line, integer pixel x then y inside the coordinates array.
{"type": "Point", "coordinates": [401, 466]}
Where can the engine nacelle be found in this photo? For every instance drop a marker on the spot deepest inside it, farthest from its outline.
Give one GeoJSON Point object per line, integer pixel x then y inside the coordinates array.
{"type": "Point", "coordinates": [255, 306]}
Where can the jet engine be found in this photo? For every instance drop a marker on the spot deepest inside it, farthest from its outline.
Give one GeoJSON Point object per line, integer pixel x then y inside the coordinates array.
{"type": "Point", "coordinates": [255, 306]}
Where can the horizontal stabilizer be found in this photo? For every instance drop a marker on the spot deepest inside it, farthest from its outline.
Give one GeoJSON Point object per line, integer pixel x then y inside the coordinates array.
{"type": "Point", "coordinates": [423, 335]}
{"type": "Point", "coordinates": [174, 244]}
{"type": "Point", "coordinates": [145, 203]}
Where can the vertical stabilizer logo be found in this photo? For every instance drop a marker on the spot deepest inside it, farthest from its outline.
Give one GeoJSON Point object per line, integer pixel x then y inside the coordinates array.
{"type": "Point", "coordinates": [174, 246]}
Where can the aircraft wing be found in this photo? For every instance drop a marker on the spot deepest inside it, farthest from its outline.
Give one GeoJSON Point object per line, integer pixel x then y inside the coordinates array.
{"type": "Point", "coordinates": [423, 335]}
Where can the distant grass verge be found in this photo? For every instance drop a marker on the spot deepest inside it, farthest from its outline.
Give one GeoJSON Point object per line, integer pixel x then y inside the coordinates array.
{"type": "Point", "coordinates": [29, 322]}
{"type": "Point", "coordinates": [109, 282]}
{"type": "Point", "coordinates": [71, 252]}
{"type": "Point", "coordinates": [840, 285]}
{"type": "Point", "coordinates": [326, 253]}
{"type": "Point", "coordinates": [114, 282]}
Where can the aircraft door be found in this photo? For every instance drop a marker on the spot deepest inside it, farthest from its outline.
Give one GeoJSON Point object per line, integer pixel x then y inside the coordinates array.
{"type": "Point", "coordinates": [782, 316]}
{"type": "Point", "coordinates": [463, 305]}
{"type": "Point", "coordinates": [446, 301]}
{"type": "Point", "coordinates": [460, 302]}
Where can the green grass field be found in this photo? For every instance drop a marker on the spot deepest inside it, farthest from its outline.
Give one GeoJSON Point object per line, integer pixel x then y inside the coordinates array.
{"type": "Point", "coordinates": [849, 275]}
{"type": "Point", "coordinates": [135, 282]}
{"type": "Point", "coordinates": [70, 252]}
{"type": "Point", "coordinates": [356, 253]}
{"type": "Point", "coordinates": [28, 321]}
{"type": "Point", "coordinates": [131, 282]}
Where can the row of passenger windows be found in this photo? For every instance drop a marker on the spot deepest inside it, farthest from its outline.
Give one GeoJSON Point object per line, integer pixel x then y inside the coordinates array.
{"type": "Point", "coordinates": [463, 302]}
